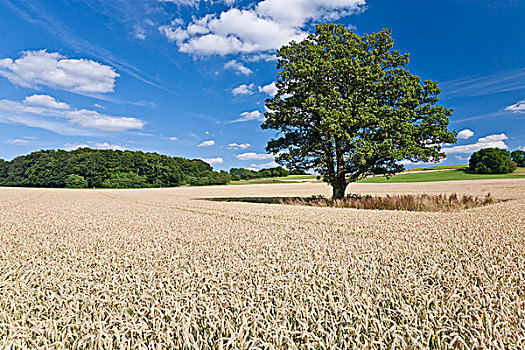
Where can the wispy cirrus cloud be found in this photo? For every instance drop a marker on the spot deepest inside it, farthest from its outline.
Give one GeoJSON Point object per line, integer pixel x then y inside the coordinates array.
{"type": "Point", "coordinates": [42, 15]}
{"type": "Point", "coordinates": [509, 80]}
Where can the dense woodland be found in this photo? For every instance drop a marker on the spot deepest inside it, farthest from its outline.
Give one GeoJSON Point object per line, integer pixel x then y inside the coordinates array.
{"type": "Point", "coordinates": [88, 168]}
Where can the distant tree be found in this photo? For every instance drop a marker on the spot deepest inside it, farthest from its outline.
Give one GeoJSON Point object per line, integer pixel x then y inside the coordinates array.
{"type": "Point", "coordinates": [492, 161]}
{"type": "Point", "coordinates": [347, 107]}
{"type": "Point", "coordinates": [519, 158]}
{"type": "Point", "coordinates": [298, 172]}
{"type": "Point", "coordinates": [3, 169]}
{"type": "Point", "coordinates": [76, 181]}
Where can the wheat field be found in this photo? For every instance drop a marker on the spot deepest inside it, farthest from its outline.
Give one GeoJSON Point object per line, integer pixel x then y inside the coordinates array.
{"type": "Point", "coordinates": [163, 269]}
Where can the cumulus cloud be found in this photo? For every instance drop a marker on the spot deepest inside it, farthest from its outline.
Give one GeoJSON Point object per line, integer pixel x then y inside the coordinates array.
{"type": "Point", "coordinates": [173, 138]}
{"type": "Point", "coordinates": [207, 143]}
{"type": "Point", "coordinates": [249, 116]}
{"type": "Point", "coordinates": [45, 112]}
{"type": "Point", "coordinates": [45, 101]}
{"type": "Point", "coordinates": [518, 107]}
{"type": "Point", "coordinates": [258, 29]}
{"type": "Point", "coordinates": [490, 141]}
{"type": "Point", "coordinates": [213, 161]}
{"type": "Point", "coordinates": [243, 89]}
{"type": "Point", "coordinates": [271, 164]}
{"type": "Point", "coordinates": [270, 89]}
{"type": "Point", "coordinates": [465, 134]}
{"type": "Point", "coordinates": [238, 67]}
{"type": "Point", "coordinates": [254, 156]}
{"type": "Point", "coordinates": [41, 68]}
{"type": "Point", "coordinates": [239, 146]}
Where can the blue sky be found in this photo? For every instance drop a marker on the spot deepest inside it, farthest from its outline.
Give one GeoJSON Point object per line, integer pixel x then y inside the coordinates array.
{"type": "Point", "coordinates": [189, 78]}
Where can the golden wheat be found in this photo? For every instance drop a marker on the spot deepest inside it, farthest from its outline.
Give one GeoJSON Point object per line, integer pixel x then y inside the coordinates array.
{"type": "Point", "coordinates": [154, 269]}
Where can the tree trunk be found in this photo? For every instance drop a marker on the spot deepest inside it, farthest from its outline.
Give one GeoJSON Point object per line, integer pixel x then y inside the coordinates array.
{"type": "Point", "coordinates": [339, 188]}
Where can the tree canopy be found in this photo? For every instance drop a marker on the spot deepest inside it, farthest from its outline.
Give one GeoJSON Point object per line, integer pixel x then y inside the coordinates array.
{"type": "Point", "coordinates": [106, 168]}
{"type": "Point", "coordinates": [492, 161]}
{"type": "Point", "coordinates": [518, 157]}
{"type": "Point", "coordinates": [347, 107]}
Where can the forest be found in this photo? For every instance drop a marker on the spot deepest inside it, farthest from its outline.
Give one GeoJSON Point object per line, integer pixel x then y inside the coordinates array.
{"type": "Point", "coordinates": [91, 168]}
{"type": "Point", "coordinates": [88, 168]}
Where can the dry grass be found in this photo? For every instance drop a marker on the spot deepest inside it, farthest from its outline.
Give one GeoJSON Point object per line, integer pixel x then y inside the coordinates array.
{"type": "Point", "coordinates": [410, 202]}
{"type": "Point", "coordinates": [156, 269]}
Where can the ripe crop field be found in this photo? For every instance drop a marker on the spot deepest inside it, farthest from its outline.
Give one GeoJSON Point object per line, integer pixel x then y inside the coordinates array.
{"type": "Point", "coordinates": [161, 268]}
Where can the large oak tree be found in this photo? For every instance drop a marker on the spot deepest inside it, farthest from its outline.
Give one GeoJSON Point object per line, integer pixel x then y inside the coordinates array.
{"type": "Point", "coordinates": [346, 107]}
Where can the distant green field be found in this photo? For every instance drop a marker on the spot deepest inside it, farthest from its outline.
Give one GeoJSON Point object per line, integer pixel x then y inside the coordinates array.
{"type": "Point", "coordinates": [427, 174]}
{"type": "Point", "coordinates": [439, 167]}
{"type": "Point", "coordinates": [446, 175]}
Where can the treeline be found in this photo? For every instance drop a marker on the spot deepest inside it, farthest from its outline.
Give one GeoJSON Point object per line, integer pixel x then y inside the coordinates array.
{"type": "Point", "coordinates": [90, 168]}
{"type": "Point", "coordinates": [106, 169]}
{"type": "Point", "coordinates": [249, 174]}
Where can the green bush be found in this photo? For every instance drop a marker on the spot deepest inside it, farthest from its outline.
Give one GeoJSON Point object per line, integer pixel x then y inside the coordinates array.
{"type": "Point", "coordinates": [518, 157]}
{"type": "Point", "coordinates": [125, 180]}
{"type": "Point", "coordinates": [492, 161]}
{"type": "Point", "coordinates": [75, 181]}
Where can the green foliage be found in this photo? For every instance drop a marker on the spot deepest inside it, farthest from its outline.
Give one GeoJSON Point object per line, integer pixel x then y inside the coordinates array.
{"type": "Point", "coordinates": [125, 180]}
{"type": "Point", "coordinates": [346, 107]}
{"type": "Point", "coordinates": [247, 174]}
{"type": "Point", "coordinates": [75, 181]}
{"type": "Point", "coordinates": [492, 161]}
{"type": "Point", "coordinates": [519, 158]}
{"type": "Point", "coordinates": [107, 168]}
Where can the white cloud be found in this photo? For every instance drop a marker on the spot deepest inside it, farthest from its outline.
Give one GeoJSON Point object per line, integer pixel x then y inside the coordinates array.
{"type": "Point", "coordinates": [249, 116]}
{"type": "Point", "coordinates": [45, 101]}
{"type": "Point", "coordinates": [243, 89]}
{"type": "Point", "coordinates": [258, 29]}
{"type": "Point", "coordinates": [465, 134]}
{"type": "Point", "coordinates": [238, 67]}
{"type": "Point", "coordinates": [239, 146]}
{"type": "Point", "coordinates": [462, 158]}
{"type": "Point", "coordinates": [45, 112]}
{"type": "Point", "coordinates": [493, 138]}
{"type": "Point", "coordinates": [92, 119]}
{"type": "Point", "coordinates": [41, 68]}
{"type": "Point", "coordinates": [270, 89]}
{"type": "Point", "coordinates": [272, 164]}
{"type": "Point", "coordinates": [490, 141]}
{"type": "Point", "coordinates": [518, 107]}
{"type": "Point", "coordinates": [95, 145]}
{"type": "Point", "coordinates": [207, 143]}
{"type": "Point", "coordinates": [213, 161]}
{"type": "Point", "coordinates": [254, 156]}
{"type": "Point", "coordinates": [173, 138]}
{"type": "Point", "coordinates": [19, 141]}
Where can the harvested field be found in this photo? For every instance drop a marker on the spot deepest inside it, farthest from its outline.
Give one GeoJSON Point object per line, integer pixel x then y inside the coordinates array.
{"type": "Point", "coordinates": [161, 269]}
